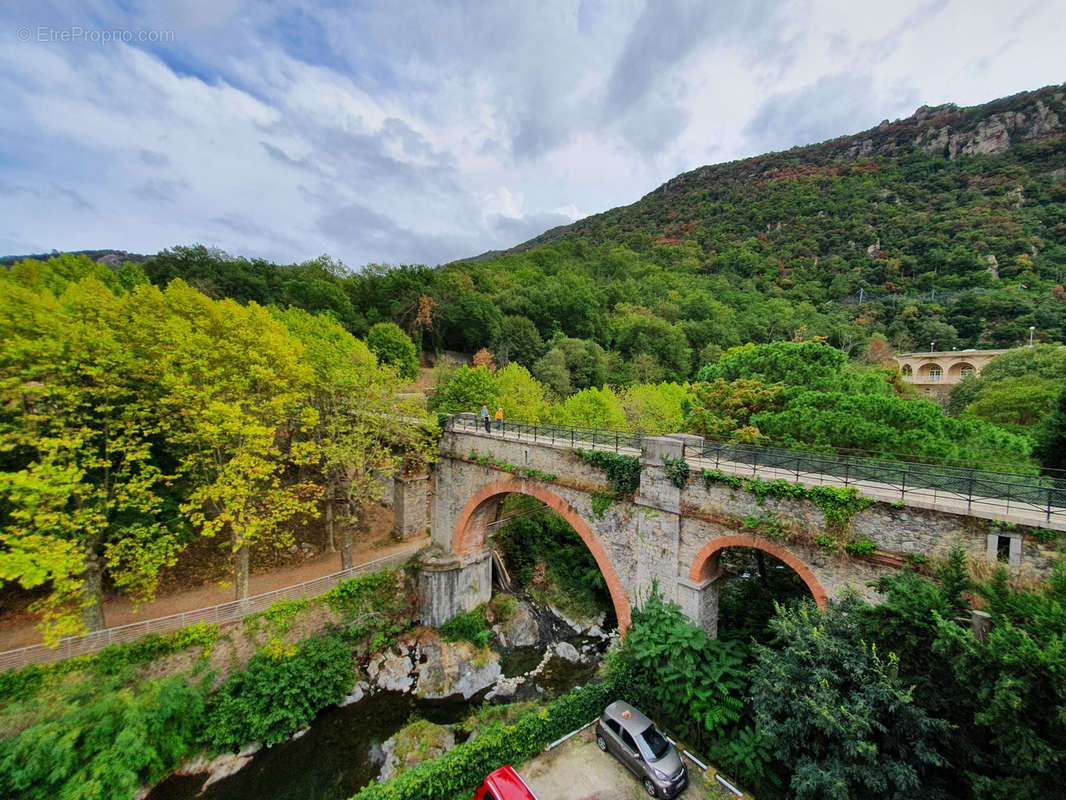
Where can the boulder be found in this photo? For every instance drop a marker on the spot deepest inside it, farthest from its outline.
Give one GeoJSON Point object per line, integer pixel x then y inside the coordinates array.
{"type": "Point", "coordinates": [358, 693]}
{"type": "Point", "coordinates": [420, 741]}
{"type": "Point", "coordinates": [219, 767]}
{"type": "Point", "coordinates": [568, 652]}
{"type": "Point", "coordinates": [520, 630]}
{"type": "Point", "coordinates": [391, 672]}
{"type": "Point", "coordinates": [451, 668]}
{"type": "Point", "coordinates": [579, 624]}
{"type": "Point", "coordinates": [505, 689]}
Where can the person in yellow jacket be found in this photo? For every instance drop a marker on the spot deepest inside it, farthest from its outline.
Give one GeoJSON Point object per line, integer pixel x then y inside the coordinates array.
{"type": "Point", "coordinates": [499, 419]}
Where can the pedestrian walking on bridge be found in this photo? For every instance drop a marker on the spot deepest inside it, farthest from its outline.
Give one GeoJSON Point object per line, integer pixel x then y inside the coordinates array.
{"type": "Point", "coordinates": [499, 419]}
{"type": "Point", "coordinates": [485, 418]}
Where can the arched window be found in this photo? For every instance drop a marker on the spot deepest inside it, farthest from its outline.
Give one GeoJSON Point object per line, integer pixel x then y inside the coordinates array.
{"type": "Point", "coordinates": [935, 374]}
{"type": "Point", "coordinates": [908, 373]}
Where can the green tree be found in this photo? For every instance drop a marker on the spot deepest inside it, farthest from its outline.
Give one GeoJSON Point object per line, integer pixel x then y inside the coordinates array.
{"type": "Point", "coordinates": [723, 410]}
{"type": "Point", "coordinates": [837, 712]}
{"type": "Point", "coordinates": [586, 361]}
{"type": "Point", "coordinates": [551, 370]}
{"type": "Point", "coordinates": [1051, 447]}
{"type": "Point", "coordinates": [79, 387]}
{"type": "Point", "coordinates": [467, 389]}
{"type": "Point", "coordinates": [651, 408]}
{"type": "Point", "coordinates": [392, 346]}
{"type": "Point", "coordinates": [518, 341]}
{"type": "Point", "coordinates": [593, 408]}
{"type": "Point", "coordinates": [362, 430]}
{"type": "Point", "coordinates": [103, 741]}
{"type": "Point", "coordinates": [520, 395]}
{"type": "Point", "coordinates": [59, 272]}
{"type": "Point", "coordinates": [1016, 404]}
{"type": "Point", "coordinates": [808, 364]}
{"type": "Point", "coordinates": [238, 387]}
{"type": "Point", "coordinates": [637, 331]}
{"type": "Point", "coordinates": [909, 429]}
{"type": "Point", "coordinates": [1013, 688]}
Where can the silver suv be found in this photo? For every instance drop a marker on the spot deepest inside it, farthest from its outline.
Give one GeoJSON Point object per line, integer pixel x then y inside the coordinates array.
{"type": "Point", "coordinates": [636, 742]}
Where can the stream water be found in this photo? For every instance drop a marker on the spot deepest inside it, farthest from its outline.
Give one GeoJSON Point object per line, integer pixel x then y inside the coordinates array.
{"type": "Point", "coordinates": [341, 752]}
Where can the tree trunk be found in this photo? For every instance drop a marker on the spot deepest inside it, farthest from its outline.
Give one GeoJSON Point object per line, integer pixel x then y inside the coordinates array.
{"type": "Point", "coordinates": [329, 520]}
{"type": "Point", "coordinates": [241, 560]}
{"type": "Point", "coordinates": [346, 547]}
{"type": "Point", "coordinates": [762, 569]}
{"type": "Point", "coordinates": [93, 610]}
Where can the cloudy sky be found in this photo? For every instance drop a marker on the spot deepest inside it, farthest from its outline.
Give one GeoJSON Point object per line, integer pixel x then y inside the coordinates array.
{"type": "Point", "coordinates": [420, 132]}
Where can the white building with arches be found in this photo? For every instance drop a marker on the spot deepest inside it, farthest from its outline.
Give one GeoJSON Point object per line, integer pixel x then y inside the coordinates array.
{"type": "Point", "coordinates": [937, 371]}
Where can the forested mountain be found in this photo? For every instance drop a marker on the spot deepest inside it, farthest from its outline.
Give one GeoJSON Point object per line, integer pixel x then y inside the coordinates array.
{"type": "Point", "coordinates": [948, 226]}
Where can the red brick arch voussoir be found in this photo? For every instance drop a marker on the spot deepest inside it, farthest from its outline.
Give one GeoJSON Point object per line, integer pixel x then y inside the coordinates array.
{"type": "Point", "coordinates": [469, 538]}
{"type": "Point", "coordinates": [701, 564]}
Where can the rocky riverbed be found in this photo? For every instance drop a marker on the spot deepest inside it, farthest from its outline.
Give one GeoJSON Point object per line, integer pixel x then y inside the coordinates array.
{"type": "Point", "coordinates": [421, 675]}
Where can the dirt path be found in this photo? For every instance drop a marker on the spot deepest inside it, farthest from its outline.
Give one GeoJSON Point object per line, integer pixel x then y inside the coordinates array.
{"type": "Point", "coordinates": [20, 632]}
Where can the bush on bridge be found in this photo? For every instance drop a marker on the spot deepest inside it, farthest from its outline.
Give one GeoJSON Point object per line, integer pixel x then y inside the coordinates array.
{"type": "Point", "coordinates": [623, 472]}
{"type": "Point", "coordinates": [838, 505]}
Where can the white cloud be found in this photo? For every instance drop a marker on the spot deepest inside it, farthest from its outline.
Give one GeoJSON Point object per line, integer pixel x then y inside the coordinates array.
{"type": "Point", "coordinates": [427, 131]}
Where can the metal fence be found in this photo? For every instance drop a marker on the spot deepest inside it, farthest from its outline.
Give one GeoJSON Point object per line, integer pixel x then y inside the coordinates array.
{"type": "Point", "coordinates": [976, 488]}
{"type": "Point", "coordinates": [593, 438]}
{"type": "Point", "coordinates": [224, 612]}
{"type": "Point", "coordinates": [1046, 496]}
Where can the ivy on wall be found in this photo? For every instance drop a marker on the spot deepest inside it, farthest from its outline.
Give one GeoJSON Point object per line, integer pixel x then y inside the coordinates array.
{"type": "Point", "coordinates": [623, 472]}
{"type": "Point", "coordinates": [526, 473]}
{"type": "Point", "coordinates": [676, 470]}
{"type": "Point", "coordinates": [838, 505]}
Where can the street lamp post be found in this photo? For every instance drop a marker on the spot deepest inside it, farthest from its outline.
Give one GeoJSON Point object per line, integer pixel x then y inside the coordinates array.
{"type": "Point", "coordinates": [1032, 328]}
{"type": "Point", "coordinates": [931, 345]}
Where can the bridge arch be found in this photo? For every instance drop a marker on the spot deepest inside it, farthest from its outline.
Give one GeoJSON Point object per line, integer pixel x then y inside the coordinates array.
{"type": "Point", "coordinates": [469, 535]}
{"type": "Point", "coordinates": [704, 565]}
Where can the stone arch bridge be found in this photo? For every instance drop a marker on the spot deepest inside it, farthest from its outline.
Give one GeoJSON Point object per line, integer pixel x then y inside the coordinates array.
{"type": "Point", "coordinates": [673, 536]}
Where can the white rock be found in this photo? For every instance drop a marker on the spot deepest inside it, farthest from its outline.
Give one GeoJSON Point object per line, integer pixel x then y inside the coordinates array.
{"type": "Point", "coordinates": [521, 630]}
{"type": "Point", "coordinates": [391, 673]}
{"type": "Point", "coordinates": [568, 652]}
{"type": "Point", "coordinates": [358, 693]}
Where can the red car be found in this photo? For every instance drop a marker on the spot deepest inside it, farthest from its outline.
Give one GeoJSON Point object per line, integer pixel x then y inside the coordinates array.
{"type": "Point", "coordinates": [504, 784]}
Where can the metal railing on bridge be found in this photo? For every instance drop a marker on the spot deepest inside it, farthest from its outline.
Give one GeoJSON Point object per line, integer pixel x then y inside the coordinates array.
{"type": "Point", "coordinates": [595, 438]}
{"type": "Point", "coordinates": [1044, 495]}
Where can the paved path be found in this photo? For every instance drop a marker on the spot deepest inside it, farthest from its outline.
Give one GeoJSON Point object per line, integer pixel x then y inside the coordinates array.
{"type": "Point", "coordinates": [317, 577]}
{"type": "Point", "coordinates": [930, 499]}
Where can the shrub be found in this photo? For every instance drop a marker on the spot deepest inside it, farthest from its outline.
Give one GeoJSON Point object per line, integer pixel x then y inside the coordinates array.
{"type": "Point", "coordinates": [503, 606]}
{"type": "Point", "coordinates": [105, 743]}
{"type": "Point", "coordinates": [274, 698]}
{"type": "Point", "coordinates": [371, 607]}
{"type": "Point", "coordinates": [470, 627]}
{"type": "Point", "coordinates": [112, 660]}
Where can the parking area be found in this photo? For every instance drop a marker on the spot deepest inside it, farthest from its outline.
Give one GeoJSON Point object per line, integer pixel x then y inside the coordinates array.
{"type": "Point", "coordinates": [577, 770]}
